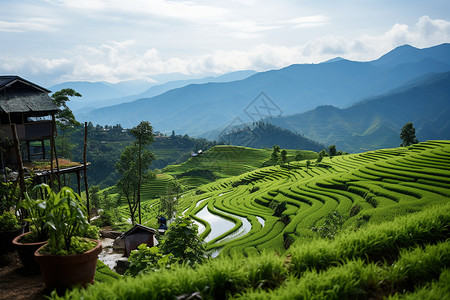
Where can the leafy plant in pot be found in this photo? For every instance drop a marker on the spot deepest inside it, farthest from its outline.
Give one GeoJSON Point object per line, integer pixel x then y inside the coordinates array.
{"type": "Point", "coordinates": [68, 258]}
{"type": "Point", "coordinates": [36, 211]}
{"type": "Point", "coordinates": [9, 229]}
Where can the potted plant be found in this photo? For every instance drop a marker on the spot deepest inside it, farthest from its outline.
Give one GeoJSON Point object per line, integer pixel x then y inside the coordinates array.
{"type": "Point", "coordinates": [36, 211]}
{"type": "Point", "coordinates": [68, 258]}
{"type": "Point", "coordinates": [9, 229]}
{"type": "Point", "coordinates": [9, 224]}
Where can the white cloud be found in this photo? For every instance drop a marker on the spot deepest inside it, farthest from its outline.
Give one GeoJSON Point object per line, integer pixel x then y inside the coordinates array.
{"type": "Point", "coordinates": [182, 10]}
{"type": "Point", "coordinates": [28, 24]}
{"type": "Point", "coordinates": [249, 29]}
{"type": "Point", "coordinates": [120, 60]}
{"type": "Point", "coordinates": [309, 21]}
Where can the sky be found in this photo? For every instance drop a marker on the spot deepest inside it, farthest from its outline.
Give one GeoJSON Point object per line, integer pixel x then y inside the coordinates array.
{"type": "Point", "coordinates": [53, 41]}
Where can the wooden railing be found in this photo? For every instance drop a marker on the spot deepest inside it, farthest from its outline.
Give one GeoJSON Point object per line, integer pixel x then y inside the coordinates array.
{"type": "Point", "coordinates": [29, 131]}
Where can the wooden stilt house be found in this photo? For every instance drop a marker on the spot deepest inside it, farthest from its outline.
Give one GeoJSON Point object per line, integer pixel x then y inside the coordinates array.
{"type": "Point", "coordinates": [29, 108]}
{"type": "Point", "coordinates": [27, 125]}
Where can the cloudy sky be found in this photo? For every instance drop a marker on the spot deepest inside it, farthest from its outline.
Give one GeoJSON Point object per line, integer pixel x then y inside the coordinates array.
{"type": "Point", "coordinates": [51, 41]}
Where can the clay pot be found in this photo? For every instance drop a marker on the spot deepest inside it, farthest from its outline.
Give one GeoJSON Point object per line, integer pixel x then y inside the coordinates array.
{"type": "Point", "coordinates": [6, 238]}
{"type": "Point", "coordinates": [64, 271]}
{"type": "Point", "coordinates": [26, 252]}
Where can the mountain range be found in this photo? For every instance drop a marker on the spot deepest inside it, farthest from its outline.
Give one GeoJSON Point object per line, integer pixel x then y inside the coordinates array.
{"type": "Point", "coordinates": [376, 122]}
{"type": "Point", "coordinates": [102, 94]}
{"type": "Point", "coordinates": [196, 109]}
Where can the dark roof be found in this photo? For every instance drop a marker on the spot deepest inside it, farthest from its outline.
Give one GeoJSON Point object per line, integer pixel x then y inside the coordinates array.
{"type": "Point", "coordinates": [27, 103]}
{"type": "Point", "coordinates": [138, 228]}
{"type": "Point", "coordinates": [19, 95]}
{"type": "Point", "coordinates": [9, 80]}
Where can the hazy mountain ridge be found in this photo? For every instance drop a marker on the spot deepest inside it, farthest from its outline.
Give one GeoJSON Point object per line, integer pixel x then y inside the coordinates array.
{"type": "Point", "coordinates": [103, 94]}
{"type": "Point", "coordinates": [196, 109]}
{"type": "Point", "coordinates": [375, 123]}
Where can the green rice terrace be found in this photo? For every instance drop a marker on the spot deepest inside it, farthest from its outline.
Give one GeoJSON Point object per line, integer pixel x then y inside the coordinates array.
{"type": "Point", "coordinates": [266, 228]}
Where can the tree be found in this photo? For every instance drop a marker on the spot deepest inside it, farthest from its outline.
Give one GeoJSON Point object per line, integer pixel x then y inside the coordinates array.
{"type": "Point", "coordinates": [308, 164]}
{"type": "Point", "coordinates": [283, 156]}
{"type": "Point", "coordinates": [183, 241]}
{"type": "Point", "coordinates": [322, 154]}
{"type": "Point", "coordinates": [144, 136]}
{"type": "Point", "coordinates": [299, 156]}
{"type": "Point", "coordinates": [180, 244]}
{"type": "Point", "coordinates": [168, 205]}
{"type": "Point", "coordinates": [332, 150]}
{"type": "Point", "coordinates": [169, 202]}
{"type": "Point", "coordinates": [65, 118]}
{"type": "Point", "coordinates": [408, 135]}
{"type": "Point", "coordinates": [274, 155]}
{"type": "Point", "coordinates": [133, 167]}
{"type": "Point", "coordinates": [94, 197]}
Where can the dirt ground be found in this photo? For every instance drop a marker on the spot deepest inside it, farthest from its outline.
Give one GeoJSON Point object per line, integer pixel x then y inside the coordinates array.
{"type": "Point", "coordinates": [16, 283]}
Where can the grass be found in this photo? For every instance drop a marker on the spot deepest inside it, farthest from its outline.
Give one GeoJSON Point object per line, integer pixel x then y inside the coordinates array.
{"type": "Point", "coordinates": [383, 183]}
{"type": "Point", "coordinates": [403, 258]}
{"type": "Point", "coordinates": [394, 245]}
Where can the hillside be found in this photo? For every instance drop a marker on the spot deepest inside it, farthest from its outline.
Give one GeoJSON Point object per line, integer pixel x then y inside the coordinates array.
{"type": "Point", "coordinates": [224, 161]}
{"type": "Point", "coordinates": [372, 187]}
{"type": "Point", "coordinates": [105, 145]}
{"type": "Point", "coordinates": [195, 109]}
{"type": "Point", "coordinates": [376, 123]}
{"type": "Point", "coordinates": [266, 135]}
{"type": "Point", "coordinates": [394, 239]}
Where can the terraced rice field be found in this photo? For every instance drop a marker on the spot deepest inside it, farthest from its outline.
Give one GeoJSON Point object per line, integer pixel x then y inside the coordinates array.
{"type": "Point", "coordinates": [398, 197]}
{"type": "Point", "coordinates": [223, 161]}
{"type": "Point", "coordinates": [370, 187]}
{"type": "Point", "coordinates": [376, 186]}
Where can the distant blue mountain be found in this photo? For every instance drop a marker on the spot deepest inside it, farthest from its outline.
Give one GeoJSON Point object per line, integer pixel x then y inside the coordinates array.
{"type": "Point", "coordinates": [408, 54]}
{"type": "Point", "coordinates": [90, 91]}
{"type": "Point", "coordinates": [101, 94]}
{"type": "Point", "coordinates": [199, 108]}
{"type": "Point", "coordinates": [333, 60]}
{"type": "Point", "coordinates": [376, 123]}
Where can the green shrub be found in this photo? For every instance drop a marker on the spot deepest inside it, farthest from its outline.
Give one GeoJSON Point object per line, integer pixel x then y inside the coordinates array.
{"type": "Point", "coordinates": [332, 226]}
{"type": "Point", "coordinates": [8, 221]}
{"type": "Point", "coordinates": [182, 240]}
{"type": "Point", "coordinates": [146, 260]}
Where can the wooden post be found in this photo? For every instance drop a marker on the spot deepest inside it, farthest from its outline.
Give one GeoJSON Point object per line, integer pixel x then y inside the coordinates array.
{"type": "Point", "coordinates": [28, 151]}
{"type": "Point", "coordinates": [19, 159]}
{"type": "Point", "coordinates": [43, 149]}
{"type": "Point", "coordinates": [52, 143]}
{"type": "Point", "coordinates": [78, 181]}
{"type": "Point", "coordinates": [85, 172]}
{"type": "Point", "coordinates": [3, 166]}
{"type": "Point", "coordinates": [54, 133]}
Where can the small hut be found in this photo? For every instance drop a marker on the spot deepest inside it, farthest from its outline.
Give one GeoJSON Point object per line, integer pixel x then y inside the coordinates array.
{"type": "Point", "coordinates": [138, 234]}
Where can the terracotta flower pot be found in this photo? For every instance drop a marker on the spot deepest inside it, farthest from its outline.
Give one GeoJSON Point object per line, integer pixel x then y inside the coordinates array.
{"type": "Point", "coordinates": [6, 238]}
{"type": "Point", "coordinates": [26, 251]}
{"type": "Point", "coordinates": [64, 271]}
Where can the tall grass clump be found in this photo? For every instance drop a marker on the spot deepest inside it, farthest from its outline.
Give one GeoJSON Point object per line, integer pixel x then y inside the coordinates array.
{"type": "Point", "coordinates": [215, 279]}
{"type": "Point", "coordinates": [352, 280]}
{"type": "Point", "coordinates": [420, 265]}
{"type": "Point", "coordinates": [376, 242]}
{"type": "Point", "coordinates": [434, 290]}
